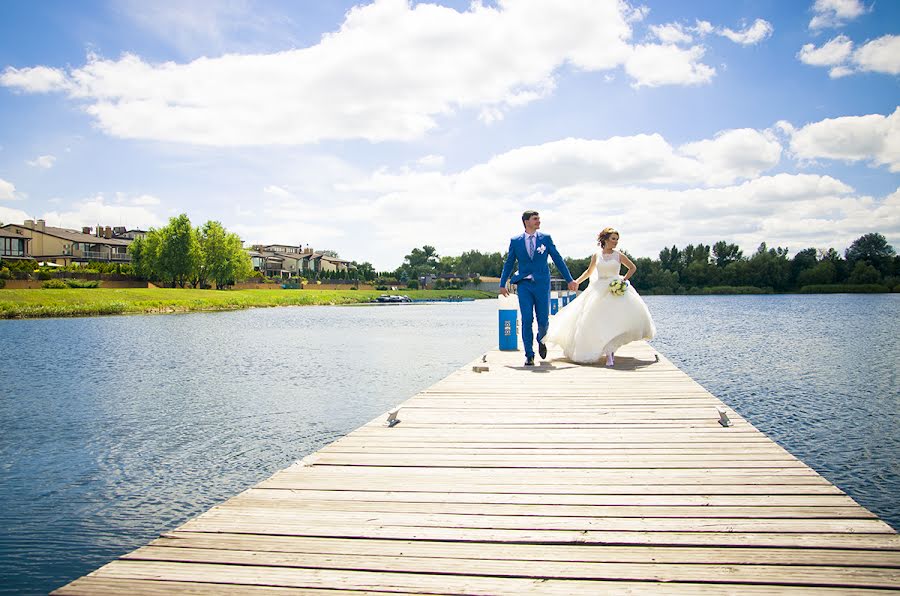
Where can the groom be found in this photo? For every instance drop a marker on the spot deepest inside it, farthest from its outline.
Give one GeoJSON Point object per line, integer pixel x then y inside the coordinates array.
{"type": "Point", "coordinates": [533, 279]}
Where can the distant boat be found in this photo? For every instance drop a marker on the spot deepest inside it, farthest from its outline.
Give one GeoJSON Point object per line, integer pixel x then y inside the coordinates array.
{"type": "Point", "coordinates": [392, 298]}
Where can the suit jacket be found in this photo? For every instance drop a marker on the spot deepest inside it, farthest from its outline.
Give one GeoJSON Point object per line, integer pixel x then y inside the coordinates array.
{"type": "Point", "coordinates": [535, 266]}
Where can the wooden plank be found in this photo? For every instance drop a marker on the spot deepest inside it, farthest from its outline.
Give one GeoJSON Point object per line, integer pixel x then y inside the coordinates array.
{"type": "Point", "coordinates": [397, 582]}
{"type": "Point", "coordinates": [529, 552]}
{"type": "Point", "coordinates": [806, 575]}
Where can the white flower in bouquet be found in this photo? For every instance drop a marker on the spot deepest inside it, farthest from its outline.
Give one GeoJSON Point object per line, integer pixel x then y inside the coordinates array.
{"type": "Point", "coordinates": [617, 287]}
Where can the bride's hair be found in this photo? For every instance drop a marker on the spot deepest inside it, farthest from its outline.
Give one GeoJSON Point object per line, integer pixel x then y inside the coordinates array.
{"type": "Point", "coordinates": [603, 236]}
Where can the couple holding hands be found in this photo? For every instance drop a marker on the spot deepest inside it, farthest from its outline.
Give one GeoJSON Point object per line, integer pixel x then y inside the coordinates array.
{"type": "Point", "coordinates": [602, 319]}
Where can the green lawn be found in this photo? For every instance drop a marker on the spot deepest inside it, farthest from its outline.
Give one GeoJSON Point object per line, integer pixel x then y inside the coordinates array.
{"type": "Point", "coordinates": [74, 302]}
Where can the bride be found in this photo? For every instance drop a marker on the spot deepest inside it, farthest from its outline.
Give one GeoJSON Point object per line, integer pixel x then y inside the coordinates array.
{"type": "Point", "coordinates": [599, 321]}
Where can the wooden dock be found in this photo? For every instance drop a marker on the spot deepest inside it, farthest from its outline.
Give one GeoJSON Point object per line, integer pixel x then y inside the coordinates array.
{"type": "Point", "coordinates": [557, 479]}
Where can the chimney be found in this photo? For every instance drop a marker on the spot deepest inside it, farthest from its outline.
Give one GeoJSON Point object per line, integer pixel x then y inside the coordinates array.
{"type": "Point", "coordinates": [86, 229]}
{"type": "Point", "coordinates": [41, 224]}
{"type": "Point", "coordinates": [29, 223]}
{"type": "Point", "coordinates": [107, 233]}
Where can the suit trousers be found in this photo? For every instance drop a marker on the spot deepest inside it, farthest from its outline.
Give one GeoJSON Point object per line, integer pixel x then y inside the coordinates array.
{"type": "Point", "coordinates": [534, 301]}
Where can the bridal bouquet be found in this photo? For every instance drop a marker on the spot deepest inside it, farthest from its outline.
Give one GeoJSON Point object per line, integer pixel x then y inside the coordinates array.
{"type": "Point", "coordinates": [617, 287]}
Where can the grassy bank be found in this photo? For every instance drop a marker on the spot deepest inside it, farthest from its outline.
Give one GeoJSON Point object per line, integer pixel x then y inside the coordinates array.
{"type": "Point", "coordinates": [76, 302]}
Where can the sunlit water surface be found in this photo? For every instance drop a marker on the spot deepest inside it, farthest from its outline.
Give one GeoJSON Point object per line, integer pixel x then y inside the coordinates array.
{"type": "Point", "coordinates": [116, 429]}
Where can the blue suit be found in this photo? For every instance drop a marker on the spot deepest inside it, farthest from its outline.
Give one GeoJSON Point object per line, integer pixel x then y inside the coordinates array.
{"type": "Point", "coordinates": [534, 293]}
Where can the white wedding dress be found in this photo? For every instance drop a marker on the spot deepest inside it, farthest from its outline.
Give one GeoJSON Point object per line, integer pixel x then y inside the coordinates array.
{"type": "Point", "coordinates": [598, 322]}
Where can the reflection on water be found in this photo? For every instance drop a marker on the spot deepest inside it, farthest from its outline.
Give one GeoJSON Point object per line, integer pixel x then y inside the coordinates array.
{"type": "Point", "coordinates": [116, 429]}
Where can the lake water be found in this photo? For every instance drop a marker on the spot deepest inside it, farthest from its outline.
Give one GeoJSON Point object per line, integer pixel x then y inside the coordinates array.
{"type": "Point", "coordinates": [116, 429]}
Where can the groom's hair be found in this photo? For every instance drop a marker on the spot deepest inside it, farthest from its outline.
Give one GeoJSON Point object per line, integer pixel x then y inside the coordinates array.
{"type": "Point", "coordinates": [528, 215]}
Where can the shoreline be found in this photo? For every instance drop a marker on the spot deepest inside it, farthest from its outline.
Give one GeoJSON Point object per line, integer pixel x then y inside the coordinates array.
{"type": "Point", "coordinates": [75, 302]}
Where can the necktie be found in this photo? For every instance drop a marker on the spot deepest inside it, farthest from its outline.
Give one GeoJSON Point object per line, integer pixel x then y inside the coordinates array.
{"type": "Point", "coordinates": [531, 246]}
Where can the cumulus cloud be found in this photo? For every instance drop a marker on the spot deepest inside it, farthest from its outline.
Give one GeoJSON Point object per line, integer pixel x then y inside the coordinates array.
{"type": "Point", "coordinates": [873, 138]}
{"type": "Point", "coordinates": [676, 33]}
{"type": "Point", "coordinates": [37, 79]}
{"type": "Point", "coordinates": [44, 161]}
{"type": "Point", "coordinates": [389, 73]}
{"type": "Point", "coordinates": [735, 154]}
{"type": "Point", "coordinates": [94, 210]}
{"type": "Point", "coordinates": [7, 190]}
{"type": "Point", "coordinates": [835, 13]}
{"type": "Point", "coordinates": [880, 55]}
{"type": "Point", "coordinates": [835, 51]}
{"type": "Point", "coordinates": [753, 34]}
{"type": "Point", "coordinates": [654, 65]}
{"type": "Point", "coordinates": [671, 33]}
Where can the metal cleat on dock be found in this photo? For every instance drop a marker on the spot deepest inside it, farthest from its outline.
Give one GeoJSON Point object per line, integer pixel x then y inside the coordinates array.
{"type": "Point", "coordinates": [481, 369]}
{"type": "Point", "coordinates": [392, 419]}
{"type": "Point", "coordinates": [723, 417]}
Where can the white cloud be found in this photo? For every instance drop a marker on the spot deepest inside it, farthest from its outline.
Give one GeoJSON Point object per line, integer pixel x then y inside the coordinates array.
{"type": "Point", "coordinates": [755, 33]}
{"type": "Point", "coordinates": [652, 65]}
{"type": "Point", "coordinates": [7, 190]}
{"type": "Point", "coordinates": [44, 161]}
{"type": "Point", "coordinates": [835, 13]}
{"type": "Point", "coordinates": [735, 154]}
{"type": "Point", "coordinates": [38, 79]}
{"type": "Point", "coordinates": [873, 137]}
{"type": "Point", "coordinates": [97, 211]}
{"type": "Point", "coordinates": [431, 161]}
{"type": "Point", "coordinates": [835, 52]}
{"type": "Point", "coordinates": [16, 216]}
{"type": "Point", "coordinates": [879, 55]}
{"type": "Point", "coordinates": [703, 27]}
{"type": "Point", "coordinates": [389, 73]}
{"type": "Point", "coordinates": [839, 72]}
{"type": "Point", "coordinates": [671, 33]}
{"type": "Point", "coordinates": [145, 200]}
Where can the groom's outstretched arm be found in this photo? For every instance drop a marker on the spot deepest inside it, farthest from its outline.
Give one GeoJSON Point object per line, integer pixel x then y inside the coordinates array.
{"type": "Point", "coordinates": [560, 262]}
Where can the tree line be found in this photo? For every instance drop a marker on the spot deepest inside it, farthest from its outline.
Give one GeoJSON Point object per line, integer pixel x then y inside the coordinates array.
{"type": "Point", "coordinates": [703, 268]}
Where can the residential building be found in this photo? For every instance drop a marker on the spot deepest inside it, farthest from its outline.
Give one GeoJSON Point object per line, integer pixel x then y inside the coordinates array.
{"type": "Point", "coordinates": [284, 260]}
{"type": "Point", "coordinates": [64, 246]}
{"type": "Point", "coordinates": [14, 245]}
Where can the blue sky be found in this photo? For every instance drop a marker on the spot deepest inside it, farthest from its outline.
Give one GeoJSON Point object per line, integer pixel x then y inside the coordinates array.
{"type": "Point", "coordinates": [373, 128]}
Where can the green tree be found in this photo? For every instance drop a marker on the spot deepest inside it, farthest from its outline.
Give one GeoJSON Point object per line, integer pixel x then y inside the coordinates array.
{"type": "Point", "coordinates": [224, 259]}
{"type": "Point", "coordinates": [872, 249]}
{"type": "Point", "coordinates": [417, 263]}
{"type": "Point", "coordinates": [179, 251]}
{"type": "Point", "coordinates": [802, 261]}
{"type": "Point", "coordinates": [725, 253]}
{"type": "Point", "coordinates": [822, 273]}
{"type": "Point", "coordinates": [141, 261]}
{"type": "Point", "coordinates": [864, 273]}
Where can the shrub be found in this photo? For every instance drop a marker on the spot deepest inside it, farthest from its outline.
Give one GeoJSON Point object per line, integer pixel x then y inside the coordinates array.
{"type": "Point", "coordinates": [382, 288]}
{"type": "Point", "coordinates": [54, 284]}
{"type": "Point", "coordinates": [43, 274]}
{"type": "Point", "coordinates": [413, 284]}
{"type": "Point", "coordinates": [3, 283]}
{"type": "Point", "coordinates": [5, 274]}
{"type": "Point", "coordinates": [82, 283]}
